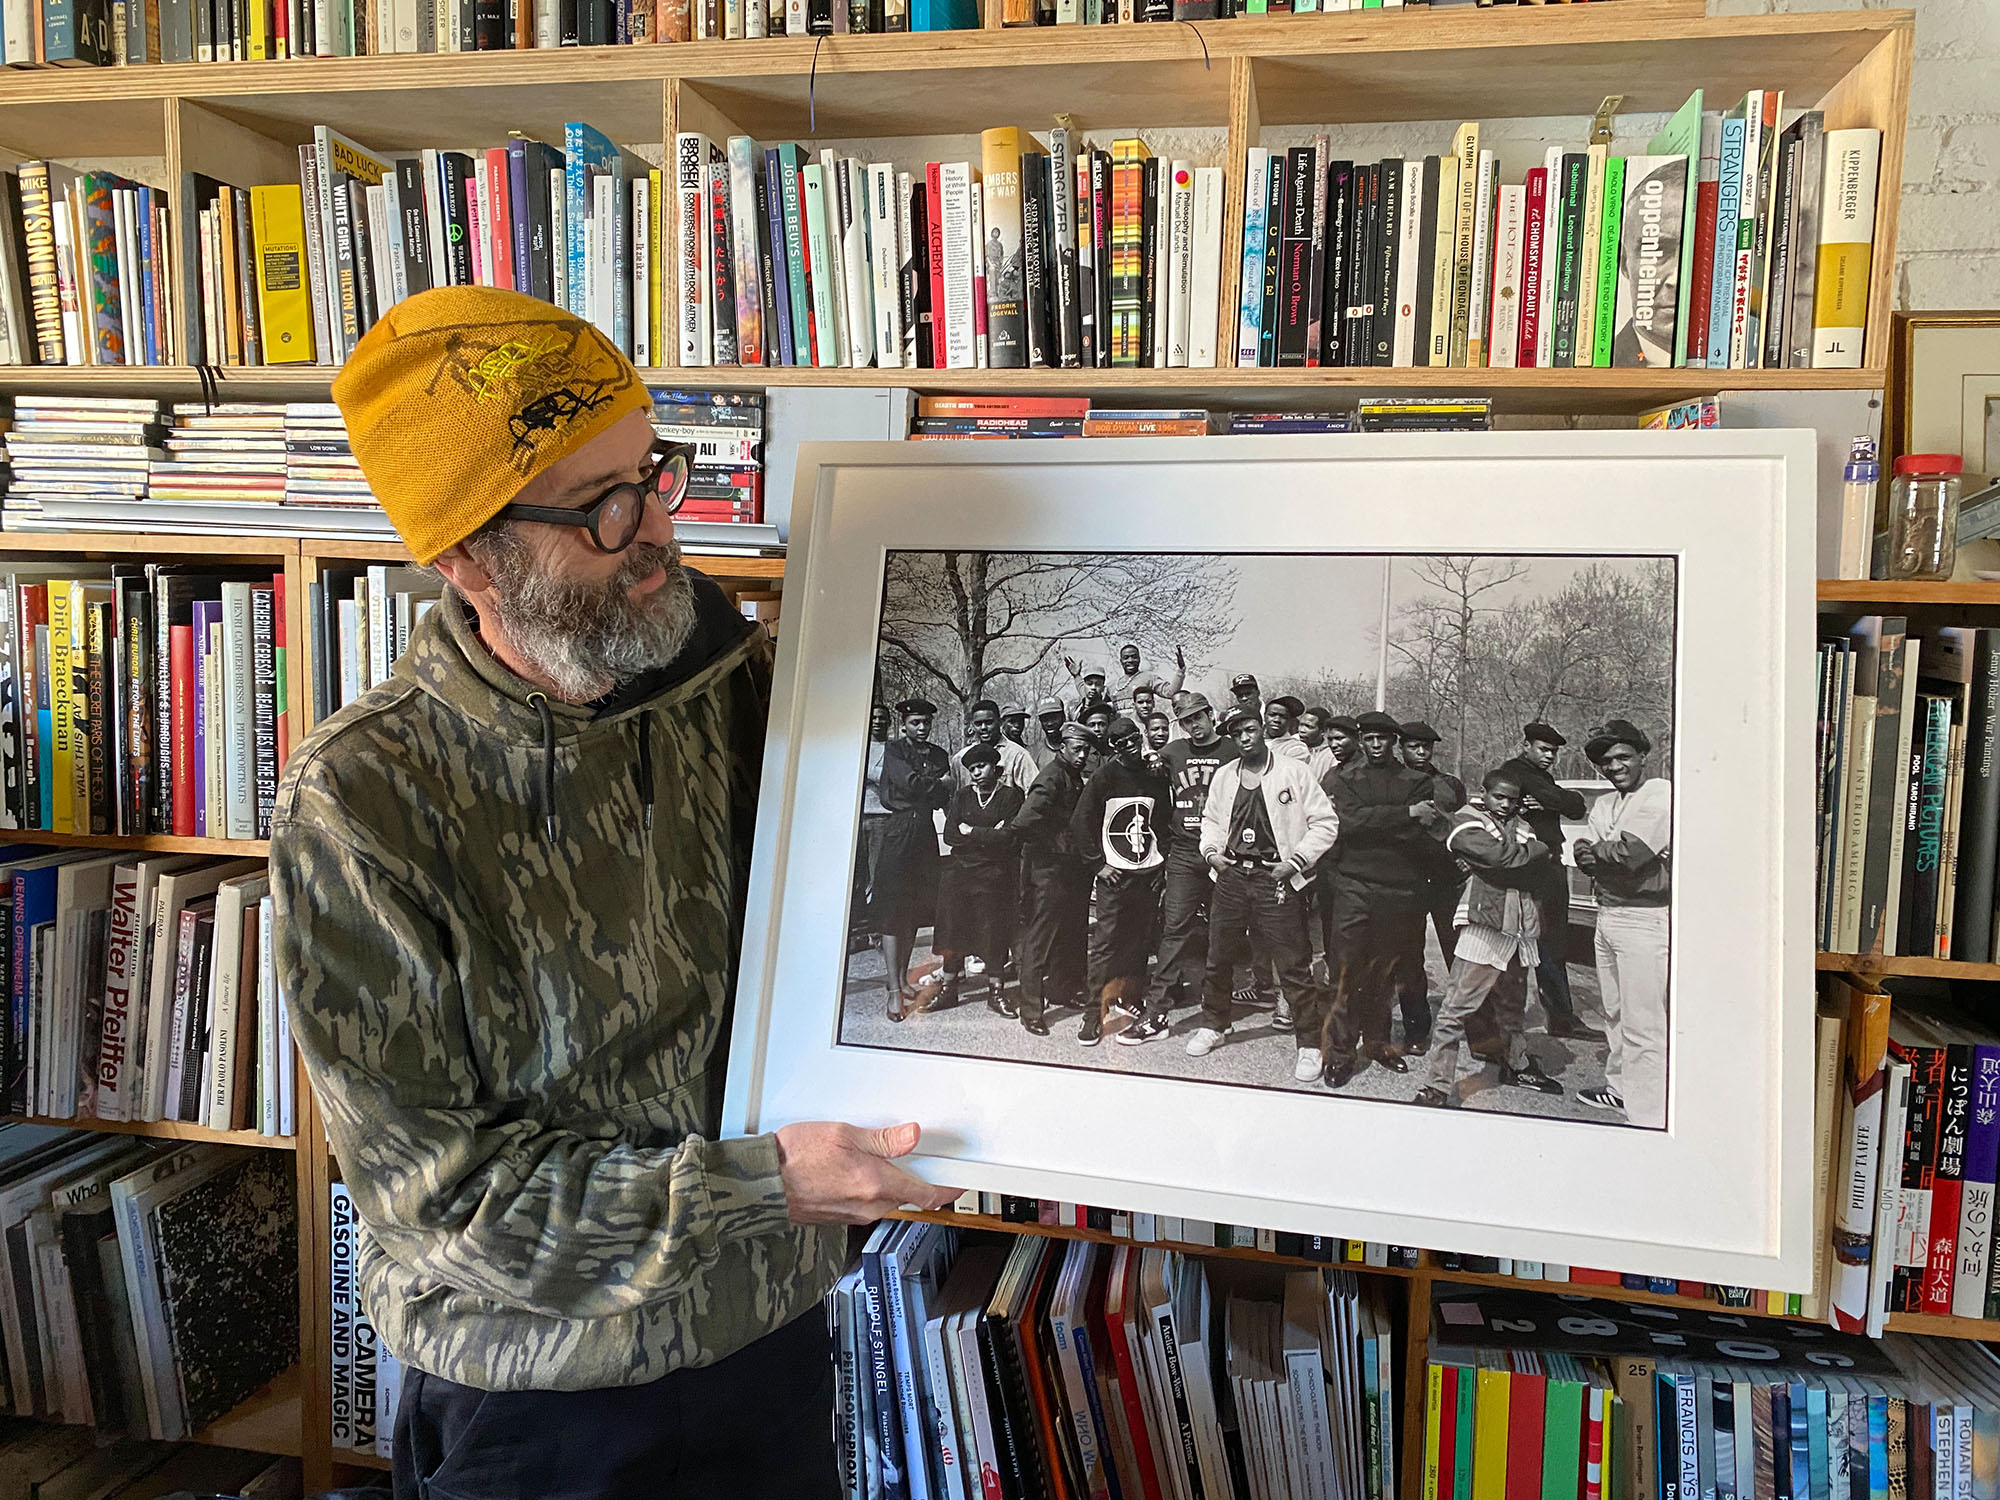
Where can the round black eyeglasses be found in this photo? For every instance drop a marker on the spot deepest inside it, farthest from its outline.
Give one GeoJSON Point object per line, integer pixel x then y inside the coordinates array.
{"type": "Point", "coordinates": [613, 519]}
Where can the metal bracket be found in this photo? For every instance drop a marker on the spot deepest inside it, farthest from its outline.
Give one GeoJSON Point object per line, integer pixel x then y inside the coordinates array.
{"type": "Point", "coordinates": [1600, 123]}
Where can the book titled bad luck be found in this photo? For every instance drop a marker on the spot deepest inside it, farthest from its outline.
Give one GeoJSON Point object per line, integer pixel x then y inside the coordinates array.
{"type": "Point", "coordinates": [1649, 261]}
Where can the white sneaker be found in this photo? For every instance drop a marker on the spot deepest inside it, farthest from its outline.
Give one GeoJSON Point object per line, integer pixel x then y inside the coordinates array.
{"type": "Point", "coordinates": [1204, 1041]}
{"type": "Point", "coordinates": [1308, 1064]}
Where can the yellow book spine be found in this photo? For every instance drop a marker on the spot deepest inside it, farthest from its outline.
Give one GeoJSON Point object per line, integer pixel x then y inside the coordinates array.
{"type": "Point", "coordinates": [260, 31]}
{"type": "Point", "coordinates": [1489, 1436]}
{"type": "Point", "coordinates": [61, 708]}
{"type": "Point", "coordinates": [79, 735]}
{"type": "Point", "coordinates": [656, 237]}
{"type": "Point", "coordinates": [1433, 1414]}
{"type": "Point", "coordinates": [1775, 1303]}
{"type": "Point", "coordinates": [284, 300]}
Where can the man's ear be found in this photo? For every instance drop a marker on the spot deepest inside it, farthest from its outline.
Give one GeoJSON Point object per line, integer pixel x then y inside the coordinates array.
{"type": "Point", "coordinates": [461, 571]}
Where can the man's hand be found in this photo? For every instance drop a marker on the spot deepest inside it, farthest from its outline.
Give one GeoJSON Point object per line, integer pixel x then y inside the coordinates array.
{"type": "Point", "coordinates": [842, 1174]}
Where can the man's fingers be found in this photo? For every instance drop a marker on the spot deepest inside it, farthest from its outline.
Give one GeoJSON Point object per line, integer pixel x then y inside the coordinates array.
{"type": "Point", "coordinates": [894, 1187]}
{"type": "Point", "coordinates": [891, 1140]}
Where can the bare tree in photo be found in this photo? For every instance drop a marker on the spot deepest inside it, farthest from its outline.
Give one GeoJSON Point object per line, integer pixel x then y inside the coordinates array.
{"type": "Point", "coordinates": [961, 626]}
{"type": "Point", "coordinates": [1440, 637]}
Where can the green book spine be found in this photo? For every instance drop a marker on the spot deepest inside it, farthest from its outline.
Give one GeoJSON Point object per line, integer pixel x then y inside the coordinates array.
{"type": "Point", "coordinates": [826, 348]}
{"type": "Point", "coordinates": [1607, 260]}
{"type": "Point", "coordinates": [1562, 1440]}
{"type": "Point", "coordinates": [1568, 250]}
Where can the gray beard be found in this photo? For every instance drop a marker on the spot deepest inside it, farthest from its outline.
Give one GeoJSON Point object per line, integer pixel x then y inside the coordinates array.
{"type": "Point", "coordinates": [586, 639]}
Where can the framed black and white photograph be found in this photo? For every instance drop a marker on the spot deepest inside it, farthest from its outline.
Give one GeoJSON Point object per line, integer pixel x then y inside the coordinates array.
{"type": "Point", "coordinates": [1391, 837]}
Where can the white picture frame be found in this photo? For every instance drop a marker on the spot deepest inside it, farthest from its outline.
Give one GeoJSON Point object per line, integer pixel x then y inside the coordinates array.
{"type": "Point", "coordinates": [1723, 1195]}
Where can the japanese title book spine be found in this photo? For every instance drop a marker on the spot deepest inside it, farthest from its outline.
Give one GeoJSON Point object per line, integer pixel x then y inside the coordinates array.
{"type": "Point", "coordinates": [1179, 270]}
{"type": "Point", "coordinates": [743, 246]}
{"type": "Point", "coordinates": [1205, 285]}
{"type": "Point", "coordinates": [812, 190]}
{"type": "Point", "coordinates": [1596, 158]}
{"type": "Point", "coordinates": [1649, 268]}
{"type": "Point", "coordinates": [1153, 270]}
{"type": "Point", "coordinates": [1846, 244]}
{"type": "Point", "coordinates": [883, 260]}
{"type": "Point", "coordinates": [1479, 322]}
{"type": "Point", "coordinates": [692, 152]}
{"type": "Point", "coordinates": [1982, 1163]}
{"type": "Point", "coordinates": [1036, 292]}
{"type": "Point", "coordinates": [1316, 271]}
{"type": "Point", "coordinates": [1000, 189]}
{"type": "Point", "coordinates": [955, 189]}
{"type": "Point", "coordinates": [721, 265]}
{"type": "Point", "coordinates": [1251, 302]}
{"type": "Point", "coordinates": [1722, 300]}
{"type": "Point", "coordinates": [1333, 312]}
{"type": "Point", "coordinates": [1065, 307]}
{"type": "Point", "coordinates": [1386, 239]}
{"type": "Point", "coordinates": [1270, 276]}
{"type": "Point", "coordinates": [1465, 154]}
{"type": "Point", "coordinates": [1919, 1174]}
{"type": "Point", "coordinates": [1701, 274]}
{"type": "Point", "coordinates": [1504, 324]}
{"type": "Point", "coordinates": [1859, 1151]}
{"type": "Point", "coordinates": [1610, 244]}
{"type": "Point", "coordinates": [1807, 214]}
{"type": "Point", "coordinates": [1404, 295]}
{"type": "Point", "coordinates": [1566, 212]}
{"type": "Point", "coordinates": [912, 233]}
{"type": "Point", "coordinates": [1295, 256]}
{"type": "Point", "coordinates": [1087, 269]}
{"type": "Point", "coordinates": [1948, 1181]}
{"type": "Point", "coordinates": [857, 275]}
{"type": "Point", "coordinates": [1443, 275]}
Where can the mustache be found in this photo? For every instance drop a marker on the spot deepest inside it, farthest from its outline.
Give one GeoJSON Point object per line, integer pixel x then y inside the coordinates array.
{"type": "Point", "coordinates": [641, 559]}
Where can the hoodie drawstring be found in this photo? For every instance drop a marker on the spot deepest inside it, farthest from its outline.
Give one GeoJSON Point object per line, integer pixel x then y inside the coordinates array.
{"type": "Point", "coordinates": [548, 788]}
{"type": "Point", "coordinates": [646, 764]}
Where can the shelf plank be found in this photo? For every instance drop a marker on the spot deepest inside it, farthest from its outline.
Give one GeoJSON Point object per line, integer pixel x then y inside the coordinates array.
{"type": "Point", "coordinates": [172, 1130]}
{"type": "Point", "coordinates": [266, 1422]}
{"type": "Point", "coordinates": [1103, 1237]}
{"type": "Point", "coordinates": [107, 544]}
{"type": "Point", "coordinates": [1888, 591]}
{"type": "Point", "coordinates": [1609, 1294]}
{"type": "Point", "coordinates": [1982, 1330]}
{"type": "Point", "coordinates": [1880, 963]}
{"type": "Point", "coordinates": [157, 843]}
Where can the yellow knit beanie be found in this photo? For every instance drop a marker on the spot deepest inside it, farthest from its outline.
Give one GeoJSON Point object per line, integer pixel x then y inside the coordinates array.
{"type": "Point", "coordinates": [461, 395]}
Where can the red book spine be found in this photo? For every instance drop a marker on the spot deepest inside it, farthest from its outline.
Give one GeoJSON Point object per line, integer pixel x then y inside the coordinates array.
{"type": "Point", "coordinates": [934, 193]}
{"type": "Point", "coordinates": [1701, 285]}
{"type": "Point", "coordinates": [1129, 1390]}
{"type": "Point", "coordinates": [180, 656]}
{"type": "Point", "coordinates": [1593, 1448]}
{"type": "Point", "coordinates": [500, 229]}
{"type": "Point", "coordinates": [1447, 1419]}
{"type": "Point", "coordinates": [1585, 1277]}
{"type": "Point", "coordinates": [1526, 1397]}
{"type": "Point", "coordinates": [1531, 266]}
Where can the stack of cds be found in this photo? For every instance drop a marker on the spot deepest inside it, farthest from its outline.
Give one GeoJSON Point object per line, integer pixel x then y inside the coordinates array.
{"type": "Point", "coordinates": [80, 460]}
{"type": "Point", "coordinates": [320, 467]}
{"type": "Point", "coordinates": [231, 454]}
{"type": "Point", "coordinates": [1291, 421]}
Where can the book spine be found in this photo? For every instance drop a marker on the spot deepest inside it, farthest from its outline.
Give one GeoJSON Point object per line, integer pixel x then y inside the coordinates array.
{"type": "Point", "coordinates": [722, 266]}
{"type": "Point", "coordinates": [1477, 350]}
{"type": "Point", "coordinates": [1466, 151]}
{"type": "Point", "coordinates": [880, 197]}
{"type": "Point", "coordinates": [1976, 1193]}
{"type": "Point", "coordinates": [264, 675]}
{"type": "Point", "coordinates": [1038, 351]}
{"type": "Point", "coordinates": [743, 245]}
{"type": "Point", "coordinates": [38, 238]}
{"type": "Point", "coordinates": [1249, 318]}
{"type": "Point", "coordinates": [690, 152]}
{"type": "Point", "coordinates": [912, 280]}
{"type": "Point", "coordinates": [1568, 252]}
{"type": "Point", "coordinates": [774, 254]}
{"type": "Point", "coordinates": [1179, 271]}
{"type": "Point", "coordinates": [1948, 1182]}
{"type": "Point", "coordinates": [857, 276]}
{"type": "Point", "coordinates": [1295, 255]}
{"type": "Point", "coordinates": [1846, 245]}
{"type": "Point", "coordinates": [1065, 306]}
{"type": "Point", "coordinates": [797, 291]}
{"type": "Point", "coordinates": [1385, 249]}
{"type": "Point", "coordinates": [826, 349]}
{"type": "Point", "coordinates": [1610, 242]}
{"type": "Point", "coordinates": [1270, 274]}
{"type": "Point", "coordinates": [955, 189]}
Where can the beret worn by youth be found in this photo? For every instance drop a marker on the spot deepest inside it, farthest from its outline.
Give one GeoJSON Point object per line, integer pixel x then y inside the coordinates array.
{"type": "Point", "coordinates": [1347, 724]}
{"type": "Point", "coordinates": [1542, 734]}
{"type": "Point", "coordinates": [1120, 727]}
{"type": "Point", "coordinates": [1289, 704]}
{"type": "Point", "coordinates": [1377, 722]}
{"type": "Point", "coordinates": [911, 706]}
{"type": "Point", "coordinates": [459, 396]}
{"type": "Point", "coordinates": [1616, 732]}
{"type": "Point", "coordinates": [979, 753]}
{"type": "Point", "coordinates": [1417, 729]}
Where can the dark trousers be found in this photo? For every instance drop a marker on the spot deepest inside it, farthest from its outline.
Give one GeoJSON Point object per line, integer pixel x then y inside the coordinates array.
{"type": "Point", "coordinates": [1184, 901]}
{"type": "Point", "coordinates": [759, 1423]}
{"type": "Point", "coordinates": [1121, 939]}
{"type": "Point", "coordinates": [1250, 917]}
{"type": "Point", "coordinates": [1552, 973]}
{"type": "Point", "coordinates": [1050, 951]}
{"type": "Point", "coordinates": [1378, 936]}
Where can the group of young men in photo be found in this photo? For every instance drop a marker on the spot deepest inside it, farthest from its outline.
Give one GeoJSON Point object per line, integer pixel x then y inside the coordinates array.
{"type": "Point", "coordinates": [1132, 849]}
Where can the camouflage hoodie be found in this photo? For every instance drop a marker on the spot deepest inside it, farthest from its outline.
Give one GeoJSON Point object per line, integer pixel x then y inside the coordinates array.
{"type": "Point", "coordinates": [507, 931]}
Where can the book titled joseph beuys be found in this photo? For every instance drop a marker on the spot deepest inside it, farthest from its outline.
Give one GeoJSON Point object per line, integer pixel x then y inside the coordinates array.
{"type": "Point", "coordinates": [1650, 262]}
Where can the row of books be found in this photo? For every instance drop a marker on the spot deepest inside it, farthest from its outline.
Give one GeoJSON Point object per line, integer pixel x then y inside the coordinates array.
{"type": "Point", "coordinates": [143, 987]}
{"type": "Point", "coordinates": [986, 417]}
{"type": "Point", "coordinates": [297, 274]}
{"type": "Point", "coordinates": [1730, 244]}
{"type": "Point", "coordinates": [367, 1378]}
{"type": "Point", "coordinates": [1908, 800]}
{"type": "Point", "coordinates": [151, 1286]}
{"type": "Point", "coordinates": [86, 269]}
{"type": "Point", "coordinates": [1585, 1402]}
{"type": "Point", "coordinates": [1094, 12]}
{"type": "Point", "coordinates": [968, 1368]}
{"type": "Point", "coordinates": [152, 700]}
{"type": "Point", "coordinates": [361, 618]}
{"type": "Point", "coordinates": [113, 33]}
{"type": "Point", "coordinates": [1064, 258]}
{"type": "Point", "coordinates": [68, 1463]}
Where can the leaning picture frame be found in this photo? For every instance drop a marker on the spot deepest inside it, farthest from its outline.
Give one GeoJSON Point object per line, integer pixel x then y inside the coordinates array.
{"type": "Point", "coordinates": [1721, 1192]}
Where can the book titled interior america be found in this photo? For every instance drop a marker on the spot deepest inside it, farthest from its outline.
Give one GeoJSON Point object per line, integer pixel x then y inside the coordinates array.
{"type": "Point", "coordinates": [1649, 262]}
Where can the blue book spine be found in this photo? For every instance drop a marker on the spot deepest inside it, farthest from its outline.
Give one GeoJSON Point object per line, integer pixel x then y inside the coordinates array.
{"type": "Point", "coordinates": [910, 1249]}
{"type": "Point", "coordinates": [149, 290]}
{"type": "Point", "coordinates": [585, 152]}
{"type": "Point", "coordinates": [1878, 1448]}
{"type": "Point", "coordinates": [517, 198]}
{"type": "Point", "coordinates": [1800, 1459]}
{"type": "Point", "coordinates": [781, 285]}
{"type": "Point", "coordinates": [1250, 310]}
{"type": "Point", "coordinates": [1816, 1443]}
{"type": "Point", "coordinates": [1728, 209]}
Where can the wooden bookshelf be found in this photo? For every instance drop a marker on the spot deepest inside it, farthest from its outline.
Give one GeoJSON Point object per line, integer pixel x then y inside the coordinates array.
{"type": "Point", "coordinates": [170, 1130]}
{"type": "Point", "coordinates": [1881, 591]}
{"type": "Point", "coordinates": [240, 123]}
{"type": "Point", "coordinates": [153, 843]}
{"type": "Point", "coordinates": [1882, 963]}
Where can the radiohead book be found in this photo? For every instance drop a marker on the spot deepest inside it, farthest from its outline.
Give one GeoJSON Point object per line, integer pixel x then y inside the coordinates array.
{"type": "Point", "coordinates": [1649, 262]}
